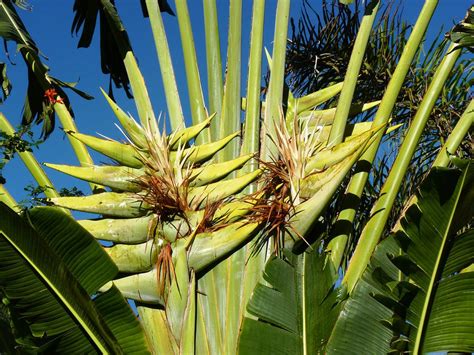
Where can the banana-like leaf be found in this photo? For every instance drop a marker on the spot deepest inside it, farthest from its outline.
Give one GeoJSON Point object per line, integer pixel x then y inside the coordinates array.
{"type": "Point", "coordinates": [11, 26]}
{"type": "Point", "coordinates": [362, 323]}
{"type": "Point", "coordinates": [42, 88]}
{"type": "Point", "coordinates": [416, 295]}
{"type": "Point", "coordinates": [49, 269]}
{"type": "Point", "coordinates": [294, 310]}
{"type": "Point", "coordinates": [85, 18]}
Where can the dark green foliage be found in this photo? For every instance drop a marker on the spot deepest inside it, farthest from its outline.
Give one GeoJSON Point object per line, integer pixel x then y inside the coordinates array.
{"type": "Point", "coordinates": [35, 195]}
{"type": "Point", "coordinates": [39, 102]}
{"type": "Point", "coordinates": [463, 33]}
{"type": "Point", "coordinates": [296, 310]}
{"type": "Point", "coordinates": [12, 27]}
{"type": "Point", "coordinates": [114, 42]}
{"type": "Point", "coordinates": [9, 145]}
{"type": "Point", "coordinates": [38, 105]}
{"type": "Point", "coordinates": [415, 287]}
{"type": "Point", "coordinates": [85, 18]}
{"type": "Point", "coordinates": [50, 271]}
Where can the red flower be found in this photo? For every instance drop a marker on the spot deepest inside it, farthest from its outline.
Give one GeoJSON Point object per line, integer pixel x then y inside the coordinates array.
{"type": "Point", "coordinates": [53, 97]}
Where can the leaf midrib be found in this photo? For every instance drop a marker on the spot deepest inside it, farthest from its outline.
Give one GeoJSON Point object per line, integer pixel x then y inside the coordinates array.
{"type": "Point", "coordinates": [58, 294]}
{"type": "Point", "coordinates": [18, 30]}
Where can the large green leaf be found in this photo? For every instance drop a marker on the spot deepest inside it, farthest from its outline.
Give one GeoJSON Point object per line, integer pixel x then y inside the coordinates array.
{"type": "Point", "coordinates": [415, 295]}
{"type": "Point", "coordinates": [430, 240]}
{"type": "Point", "coordinates": [295, 311]}
{"type": "Point", "coordinates": [11, 26]}
{"type": "Point", "coordinates": [362, 325]}
{"type": "Point", "coordinates": [49, 269]}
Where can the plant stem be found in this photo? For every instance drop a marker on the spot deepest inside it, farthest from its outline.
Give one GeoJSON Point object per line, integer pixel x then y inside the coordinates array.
{"type": "Point", "coordinates": [61, 111]}
{"type": "Point", "coordinates": [380, 212]}
{"type": "Point", "coordinates": [137, 82]}
{"type": "Point", "coordinates": [273, 107]}
{"type": "Point", "coordinates": [251, 140]}
{"type": "Point", "coordinates": [173, 102]}
{"type": "Point", "coordinates": [230, 119]}
{"type": "Point", "coordinates": [449, 147]}
{"type": "Point", "coordinates": [343, 225]}
{"type": "Point", "coordinates": [214, 64]}
{"type": "Point", "coordinates": [30, 162]}
{"type": "Point", "coordinates": [8, 199]}
{"type": "Point", "coordinates": [158, 334]}
{"type": "Point", "coordinates": [350, 80]}
{"type": "Point", "coordinates": [196, 99]}
{"type": "Point", "coordinates": [456, 136]}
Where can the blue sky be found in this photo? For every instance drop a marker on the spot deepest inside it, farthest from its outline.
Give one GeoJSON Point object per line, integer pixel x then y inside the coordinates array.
{"type": "Point", "coordinates": [49, 25]}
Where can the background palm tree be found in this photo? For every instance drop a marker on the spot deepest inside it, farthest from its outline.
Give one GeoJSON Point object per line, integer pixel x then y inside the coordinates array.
{"type": "Point", "coordinates": [318, 52]}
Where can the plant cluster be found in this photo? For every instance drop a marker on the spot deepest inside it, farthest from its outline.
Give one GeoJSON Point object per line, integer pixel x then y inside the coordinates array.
{"type": "Point", "coordinates": [217, 231]}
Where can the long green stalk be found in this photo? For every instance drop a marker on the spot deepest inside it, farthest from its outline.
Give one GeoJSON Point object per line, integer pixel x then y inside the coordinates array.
{"type": "Point", "coordinates": [343, 226]}
{"type": "Point", "coordinates": [214, 64]}
{"type": "Point", "coordinates": [40, 71]}
{"type": "Point", "coordinates": [273, 107]}
{"type": "Point", "coordinates": [196, 99]}
{"type": "Point", "coordinates": [350, 80]}
{"type": "Point", "coordinates": [338, 127]}
{"type": "Point", "coordinates": [173, 102]}
{"type": "Point", "coordinates": [457, 135]}
{"type": "Point", "coordinates": [254, 264]}
{"type": "Point", "coordinates": [8, 199]}
{"type": "Point", "coordinates": [227, 297]}
{"type": "Point", "coordinates": [251, 140]}
{"type": "Point", "coordinates": [232, 269]}
{"type": "Point", "coordinates": [61, 111]}
{"type": "Point", "coordinates": [380, 212]}
{"type": "Point", "coordinates": [450, 146]}
{"type": "Point", "coordinates": [137, 82]}
{"type": "Point", "coordinates": [30, 162]}
{"type": "Point", "coordinates": [230, 119]}
{"type": "Point", "coordinates": [158, 335]}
